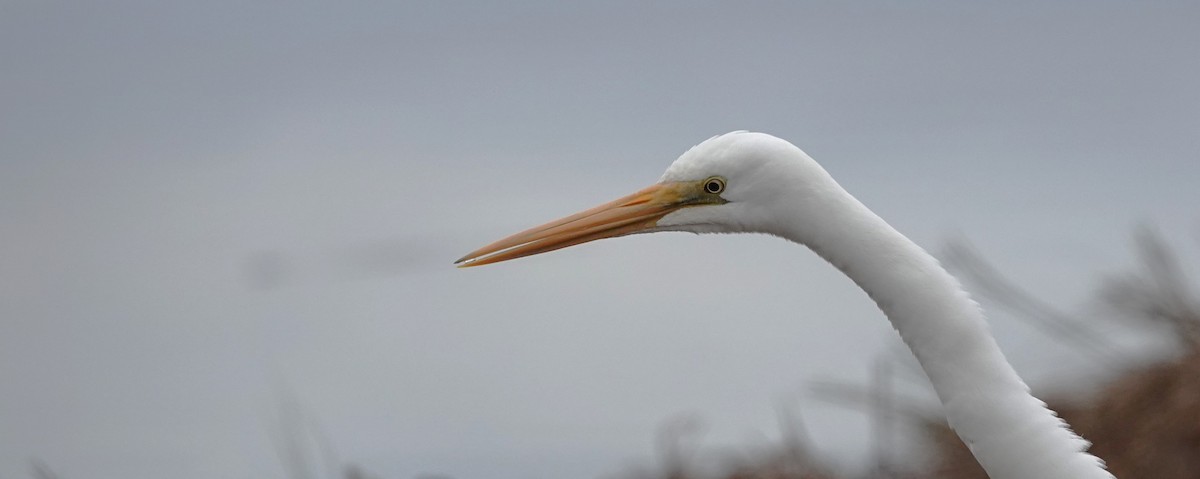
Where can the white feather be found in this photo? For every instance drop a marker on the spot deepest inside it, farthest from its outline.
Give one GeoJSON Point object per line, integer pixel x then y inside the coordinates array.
{"type": "Point", "coordinates": [775, 188]}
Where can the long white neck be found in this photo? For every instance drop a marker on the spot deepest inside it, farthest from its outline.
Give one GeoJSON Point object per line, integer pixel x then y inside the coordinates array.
{"type": "Point", "coordinates": [1012, 434]}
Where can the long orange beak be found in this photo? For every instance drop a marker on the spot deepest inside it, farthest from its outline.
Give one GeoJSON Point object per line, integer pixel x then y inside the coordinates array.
{"type": "Point", "coordinates": [631, 214]}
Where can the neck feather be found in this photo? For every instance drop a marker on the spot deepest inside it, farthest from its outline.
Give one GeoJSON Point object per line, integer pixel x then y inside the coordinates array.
{"type": "Point", "coordinates": [1011, 433]}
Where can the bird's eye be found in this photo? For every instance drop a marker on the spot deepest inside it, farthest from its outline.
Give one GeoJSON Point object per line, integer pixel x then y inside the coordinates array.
{"type": "Point", "coordinates": [714, 185]}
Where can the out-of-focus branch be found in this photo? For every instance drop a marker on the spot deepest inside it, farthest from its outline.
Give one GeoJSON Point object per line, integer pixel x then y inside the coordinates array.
{"type": "Point", "coordinates": [989, 283]}
{"type": "Point", "coordinates": [674, 450]}
{"type": "Point", "coordinates": [305, 448]}
{"type": "Point", "coordinates": [1159, 293]}
{"type": "Point", "coordinates": [40, 470]}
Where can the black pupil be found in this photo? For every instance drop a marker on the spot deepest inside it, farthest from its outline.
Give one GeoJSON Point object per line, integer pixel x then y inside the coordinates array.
{"type": "Point", "coordinates": [714, 187]}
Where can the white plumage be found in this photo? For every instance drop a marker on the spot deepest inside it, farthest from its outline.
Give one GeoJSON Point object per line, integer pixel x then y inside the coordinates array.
{"type": "Point", "coordinates": [745, 182]}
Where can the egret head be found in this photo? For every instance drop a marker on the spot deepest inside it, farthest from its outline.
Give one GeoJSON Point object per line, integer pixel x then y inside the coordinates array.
{"type": "Point", "coordinates": [732, 183]}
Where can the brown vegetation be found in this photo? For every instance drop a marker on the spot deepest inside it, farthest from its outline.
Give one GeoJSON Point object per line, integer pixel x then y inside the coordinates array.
{"type": "Point", "coordinates": [1145, 424]}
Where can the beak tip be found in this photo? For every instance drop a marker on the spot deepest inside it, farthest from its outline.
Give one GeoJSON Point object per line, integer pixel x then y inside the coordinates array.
{"type": "Point", "coordinates": [466, 262]}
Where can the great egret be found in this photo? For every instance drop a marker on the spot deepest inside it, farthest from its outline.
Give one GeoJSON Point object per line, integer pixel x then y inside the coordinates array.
{"type": "Point", "coordinates": [744, 182]}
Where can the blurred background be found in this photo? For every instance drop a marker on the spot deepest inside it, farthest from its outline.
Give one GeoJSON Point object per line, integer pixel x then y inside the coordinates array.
{"type": "Point", "coordinates": [227, 227]}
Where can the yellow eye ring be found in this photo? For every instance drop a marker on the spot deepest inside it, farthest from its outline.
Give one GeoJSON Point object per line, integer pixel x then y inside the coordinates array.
{"type": "Point", "coordinates": [714, 185]}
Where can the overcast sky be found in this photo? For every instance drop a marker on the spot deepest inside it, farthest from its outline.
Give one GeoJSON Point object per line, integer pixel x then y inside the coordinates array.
{"type": "Point", "coordinates": [209, 207]}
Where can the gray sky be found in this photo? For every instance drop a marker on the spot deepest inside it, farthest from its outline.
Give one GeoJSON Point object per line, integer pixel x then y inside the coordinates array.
{"type": "Point", "coordinates": [205, 204]}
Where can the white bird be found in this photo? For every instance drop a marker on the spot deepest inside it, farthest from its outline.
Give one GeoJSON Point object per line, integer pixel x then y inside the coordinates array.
{"type": "Point", "coordinates": [745, 182]}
